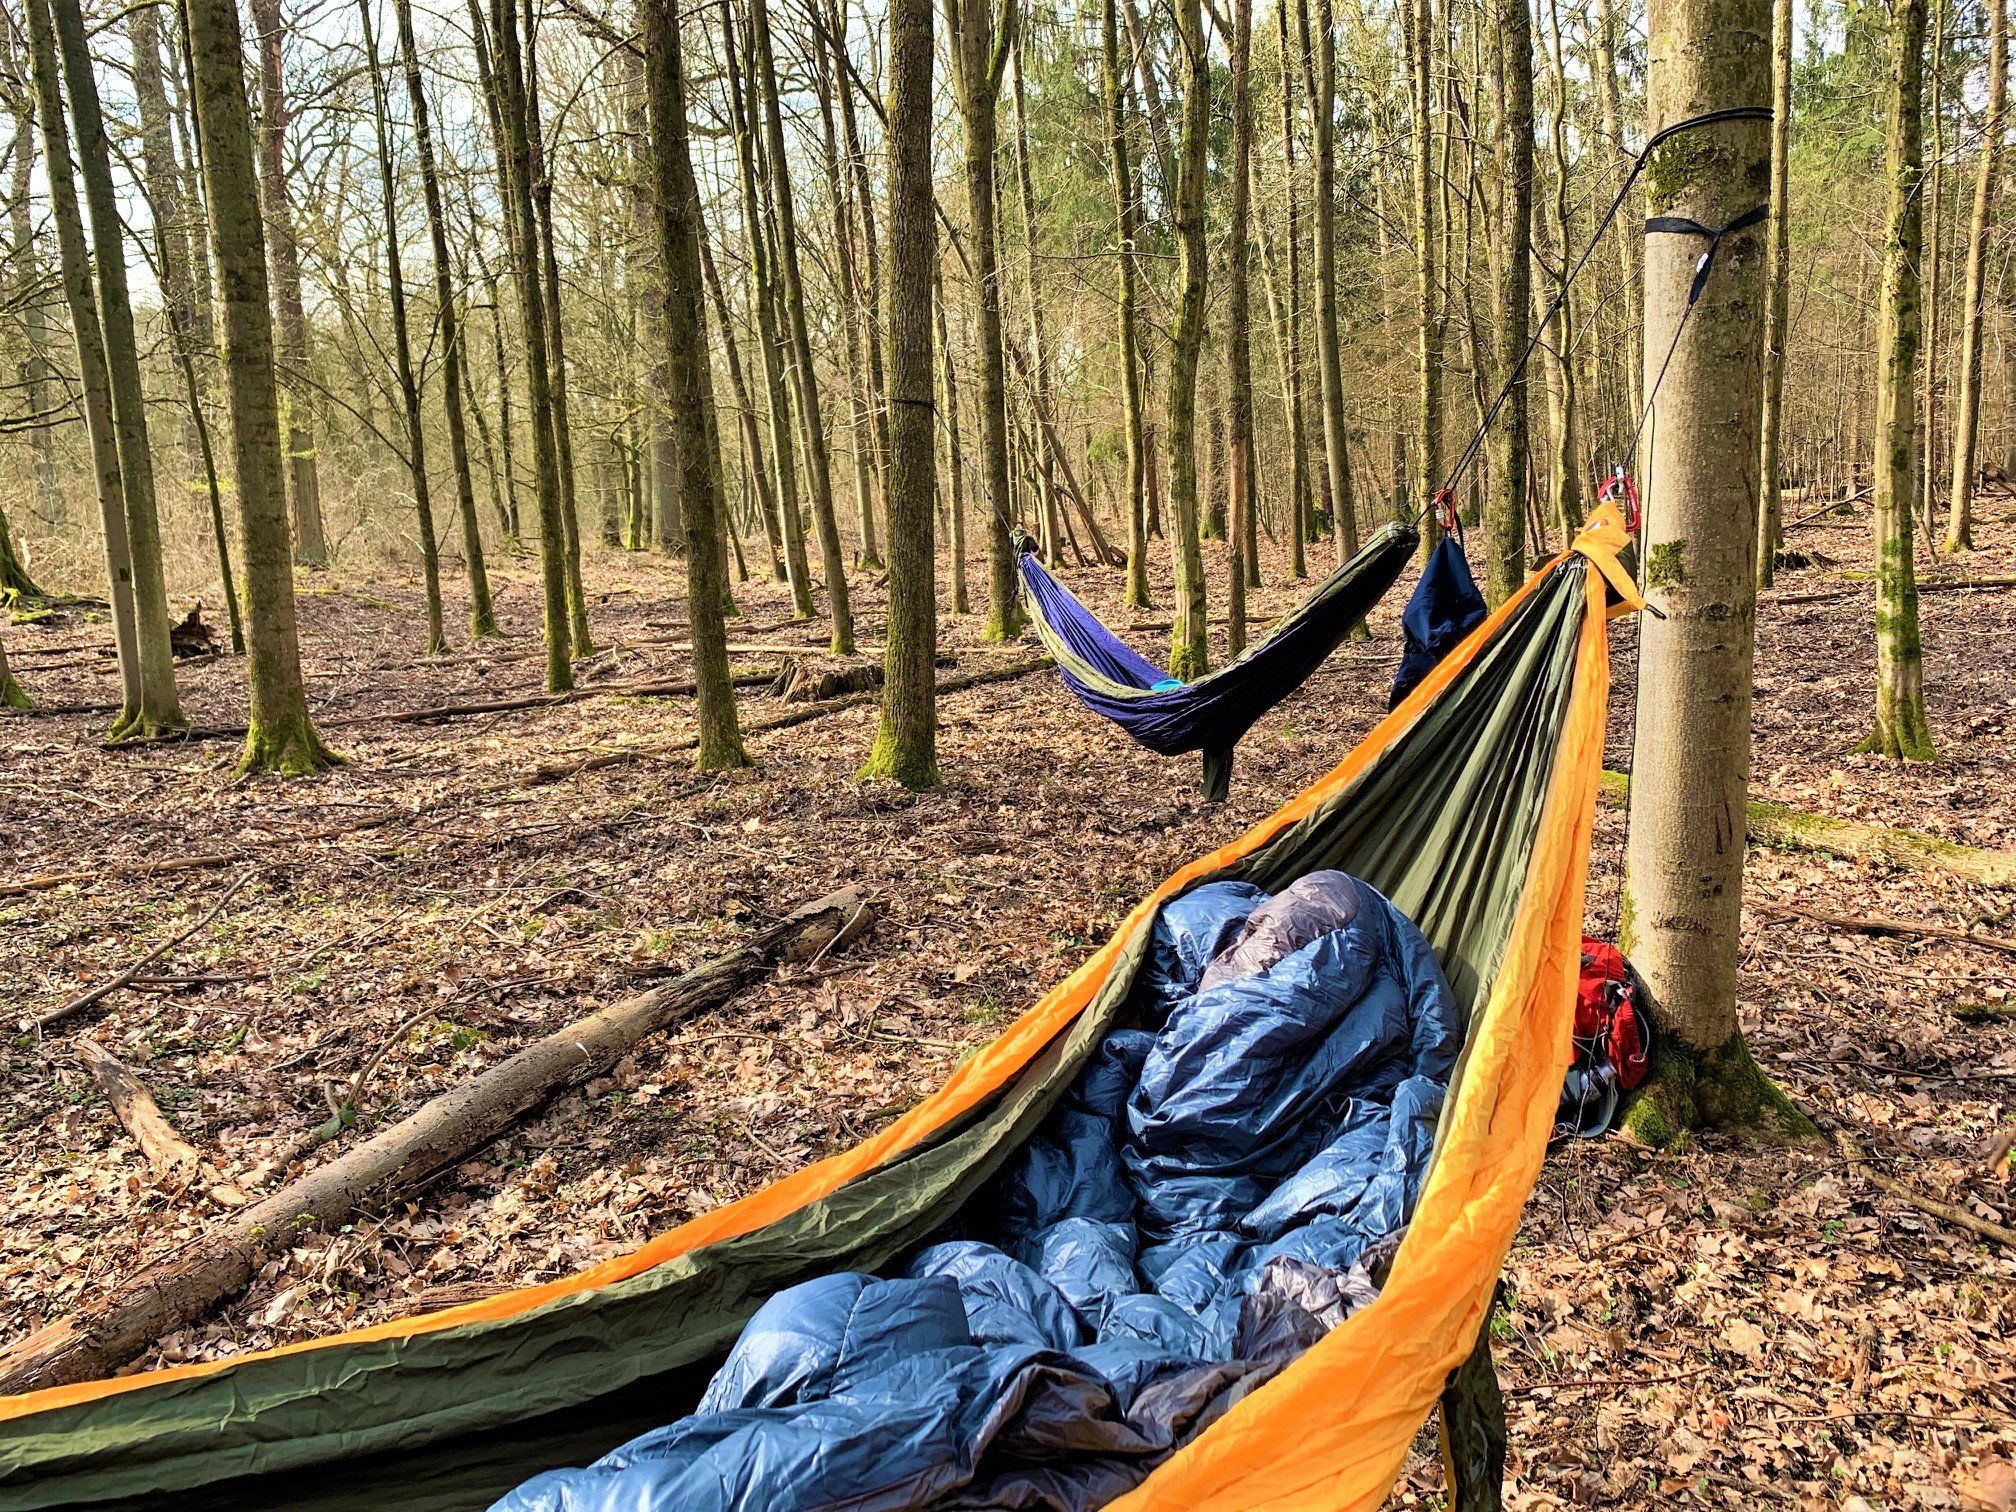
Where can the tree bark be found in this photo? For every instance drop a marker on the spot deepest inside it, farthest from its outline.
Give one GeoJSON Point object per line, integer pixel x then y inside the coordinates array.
{"type": "Point", "coordinates": [303, 479]}
{"type": "Point", "coordinates": [118, 1324]}
{"type": "Point", "coordinates": [1427, 303]}
{"type": "Point", "coordinates": [1189, 643]}
{"type": "Point", "coordinates": [1507, 501]}
{"type": "Point", "coordinates": [1967, 423]}
{"type": "Point", "coordinates": [690, 388]}
{"type": "Point", "coordinates": [159, 708]}
{"type": "Point", "coordinates": [1298, 439]}
{"type": "Point", "coordinates": [1680, 912]}
{"type": "Point", "coordinates": [1778, 309]}
{"type": "Point", "coordinates": [979, 45]}
{"type": "Point", "coordinates": [1901, 729]}
{"type": "Point", "coordinates": [906, 745]}
{"type": "Point", "coordinates": [402, 347]}
{"type": "Point", "coordinates": [482, 616]}
{"type": "Point", "coordinates": [281, 737]}
{"type": "Point", "coordinates": [1566, 461]}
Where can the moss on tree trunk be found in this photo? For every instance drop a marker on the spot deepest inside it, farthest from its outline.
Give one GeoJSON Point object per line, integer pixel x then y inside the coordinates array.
{"type": "Point", "coordinates": [1722, 1088]}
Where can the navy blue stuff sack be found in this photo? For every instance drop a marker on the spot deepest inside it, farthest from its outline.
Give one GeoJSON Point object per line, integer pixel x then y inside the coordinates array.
{"type": "Point", "coordinates": [1446, 606]}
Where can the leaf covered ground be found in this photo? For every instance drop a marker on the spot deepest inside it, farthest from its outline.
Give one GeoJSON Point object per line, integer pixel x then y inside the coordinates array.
{"type": "Point", "coordinates": [1726, 1326]}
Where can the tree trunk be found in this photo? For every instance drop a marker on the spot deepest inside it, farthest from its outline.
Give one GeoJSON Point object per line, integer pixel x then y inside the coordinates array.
{"type": "Point", "coordinates": [804, 378]}
{"type": "Point", "coordinates": [159, 708]}
{"type": "Point", "coordinates": [1298, 439]}
{"type": "Point", "coordinates": [1238, 312]}
{"type": "Point", "coordinates": [482, 616]}
{"type": "Point", "coordinates": [93, 381]}
{"type": "Point", "coordinates": [1427, 311]}
{"type": "Point", "coordinates": [1778, 309]}
{"type": "Point", "coordinates": [1125, 219]}
{"type": "Point", "coordinates": [1189, 640]}
{"type": "Point", "coordinates": [1931, 264]}
{"type": "Point", "coordinates": [1680, 912]}
{"type": "Point", "coordinates": [1630, 248]}
{"type": "Point", "coordinates": [868, 465]}
{"type": "Point", "coordinates": [504, 90]}
{"type": "Point", "coordinates": [906, 745]}
{"type": "Point", "coordinates": [118, 1324]}
{"type": "Point", "coordinates": [303, 479]}
{"type": "Point", "coordinates": [752, 432]}
{"type": "Point", "coordinates": [788, 528]}
{"type": "Point", "coordinates": [546, 266]}
{"type": "Point", "coordinates": [1901, 730]}
{"type": "Point", "coordinates": [1322, 86]}
{"type": "Point", "coordinates": [955, 451]}
{"type": "Point", "coordinates": [690, 388]}
{"type": "Point", "coordinates": [979, 46]}
{"type": "Point", "coordinates": [1566, 461]}
{"type": "Point", "coordinates": [402, 347]}
{"type": "Point", "coordinates": [162, 178]}
{"type": "Point", "coordinates": [280, 737]}
{"type": "Point", "coordinates": [1506, 503]}
{"type": "Point", "coordinates": [1967, 422]}
{"type": "Point", "coordinates": [25, 284]}
{"type": "Point", "coordinates": [1039, 347]}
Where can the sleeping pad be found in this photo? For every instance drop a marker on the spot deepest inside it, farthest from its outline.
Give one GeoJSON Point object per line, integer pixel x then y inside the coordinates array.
{"type": "Point", "coordinates": [1219, 1187]}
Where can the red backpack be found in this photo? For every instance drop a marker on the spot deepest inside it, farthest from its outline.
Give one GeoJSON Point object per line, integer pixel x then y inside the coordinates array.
{"type": "Point", "coordinates": [1611, 1024]}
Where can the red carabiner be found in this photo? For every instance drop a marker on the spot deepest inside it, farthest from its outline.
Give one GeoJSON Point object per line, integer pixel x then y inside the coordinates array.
{"type": "Point", "coordinates": [1619, 485]}
{"type": "Point", "coordinates": [1445, 511]}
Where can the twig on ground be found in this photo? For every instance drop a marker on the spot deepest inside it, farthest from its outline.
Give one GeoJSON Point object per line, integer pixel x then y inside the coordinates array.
{"type": "Point", "coordinates": [104, 990]}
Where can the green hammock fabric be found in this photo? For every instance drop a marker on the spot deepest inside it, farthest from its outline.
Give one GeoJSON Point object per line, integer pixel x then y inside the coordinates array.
{"type": "Point", "coordinates": [1443, 821]}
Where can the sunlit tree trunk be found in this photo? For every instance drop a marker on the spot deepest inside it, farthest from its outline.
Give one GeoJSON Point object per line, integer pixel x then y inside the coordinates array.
{"type": "Point", "coordinates": [1427, 310]}
{"type": "Point", "coordinates": [303, 477]}
{"type": "Point", "coordinates": [906, 746]}
{"type": "Point", "coordinates": [1680, 913]}
{"type": "Point", "coordinates": [1566, 461]}
{"type": "Point", "coordinates": [24, 275]}
{"type": "Point", "coordinates": [696, 441]}
{"type": "Point", "coordinates": [1778, 309]}
{"type": "Point", "coordinates": [1321, 82]}
{"type": "Point", "coordinates": [1189, 644]}
{"type": "Point", "coordinates": [280, 735]}
{"type": "Point", "coordinates": [482, 616]}
{"type": "Point", "coordinates": [1506, 503]}
{"type": "Point", "coordinates": [162, 177]}
{"type": "Point", "coordinates": [1039, 348]}
{"type": "Point", "coordinates": [1967, 422]}
{"type": "Point", "coordinates": [979, 45]}
{"type": "Point", "coordinates": [752, 432]}
{"type": "Point", "coordinates": [1901, 728]}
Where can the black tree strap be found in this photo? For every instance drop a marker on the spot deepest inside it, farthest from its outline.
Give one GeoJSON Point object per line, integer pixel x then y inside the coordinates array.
{"type": "Point", "coordinates": [1680, 225]}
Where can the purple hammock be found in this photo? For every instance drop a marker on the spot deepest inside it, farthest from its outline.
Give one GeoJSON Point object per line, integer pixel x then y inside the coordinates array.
{"type": "Point", "coordinates": [1209, 715]}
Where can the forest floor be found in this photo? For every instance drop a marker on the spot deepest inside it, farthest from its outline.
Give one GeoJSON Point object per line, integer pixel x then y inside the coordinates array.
{"type": "Point", "coordinates": [1728, 1326]}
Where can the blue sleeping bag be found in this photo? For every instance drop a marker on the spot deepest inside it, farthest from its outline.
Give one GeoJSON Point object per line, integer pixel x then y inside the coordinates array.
{"type": "Point", "coordinates": [1215, 1191]}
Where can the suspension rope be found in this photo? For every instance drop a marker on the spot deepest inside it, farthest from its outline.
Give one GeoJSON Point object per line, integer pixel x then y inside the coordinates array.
{"type": "Point", "coordinates": [1662, 223]}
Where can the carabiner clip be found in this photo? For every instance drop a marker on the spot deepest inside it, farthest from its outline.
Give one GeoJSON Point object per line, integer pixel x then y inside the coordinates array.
{"type": "Point", "coordinates": [1619, 486]}
{"type": "Point", "coordinates": [1444, 506]}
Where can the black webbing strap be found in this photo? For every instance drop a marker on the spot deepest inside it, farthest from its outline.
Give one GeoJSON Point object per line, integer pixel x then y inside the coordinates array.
{"type": "Point", "coordinates": [1680, 225]}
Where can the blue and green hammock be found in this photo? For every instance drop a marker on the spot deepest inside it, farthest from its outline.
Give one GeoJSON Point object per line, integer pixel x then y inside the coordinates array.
{"type": "Point", "coordinates": [1210, 715]}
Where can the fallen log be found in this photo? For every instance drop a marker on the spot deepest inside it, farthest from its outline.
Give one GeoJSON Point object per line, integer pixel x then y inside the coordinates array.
{"type": "Point", "coordinates": [169, 1156]}
{"type": "Point", "coordinates": [104, 990]}
{"type": "Point", "coordinates": [559, 771]}
{"type": "Point", "coordinates": [437, 712]}
{"type": "Point", "coordinates": [120, 1322]}
{"type": "Point", "coordinates": [1945, 1212]}
{"type": "Point", "coordinates": [1856, 924]}
{"type": "Point", "coordinates": [1907, 850]}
